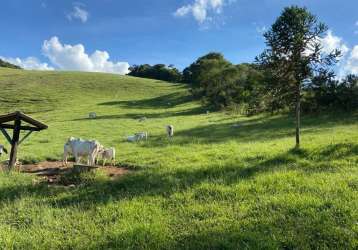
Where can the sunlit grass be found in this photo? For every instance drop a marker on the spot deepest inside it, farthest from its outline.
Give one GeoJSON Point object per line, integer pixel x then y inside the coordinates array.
{"type": "Point", "coordinates": [223, 181]}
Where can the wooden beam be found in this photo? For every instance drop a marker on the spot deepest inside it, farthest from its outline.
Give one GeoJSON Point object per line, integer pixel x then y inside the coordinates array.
{"type": "Point", "coordinates": [32, 121]}
{"type": "Point", "coordinates": [15, 143]}
{"type": "Point", "coordinates": [18, 115]}
{"type": "Point", "coordinates": [8, 117]}
{"type": "Point", "coordinates": [24, 138]}
{"type": "Point", "coordinates": [7, 136]}
{"type": "Point", "coordinates": [10, 126]}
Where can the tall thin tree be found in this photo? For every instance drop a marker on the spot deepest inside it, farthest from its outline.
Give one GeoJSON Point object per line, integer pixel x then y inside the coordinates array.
{"type": "Point", "coordinates": [294, 54]}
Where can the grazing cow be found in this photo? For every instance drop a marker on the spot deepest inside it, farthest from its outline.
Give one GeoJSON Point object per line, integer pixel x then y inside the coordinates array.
{"type": "Point", "coordinates": [132, 138]}
{"type": "Point", "coordinates": [82, 148]}
{"type": "Point", "coordinates": [143, 119]}
{"type": "Point", "coordinates": [170, 130]}
{"type": "Point", "coordinates": [108, 154]}
{"type": "Point", "coordinates": [142, 135]}
{"type": "Point", "coordinates": [138, 137]}
{"type": "Point", "coordinates": [2, 150]}
{"type": "Point", "coordinates": [92, 115]}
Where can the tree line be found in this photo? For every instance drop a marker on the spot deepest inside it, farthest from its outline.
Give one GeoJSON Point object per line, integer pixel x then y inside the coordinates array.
{"type": "Point", "coordinates": [5, 64]}
{"type": "Point", "coordinates": [158, 71]}
{"type": "Point", "coordinates": [294, 73]}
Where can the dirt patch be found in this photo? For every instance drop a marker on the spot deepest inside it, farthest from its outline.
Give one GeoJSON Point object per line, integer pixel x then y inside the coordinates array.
{"type": "Point", "coordinates": [51, 172]}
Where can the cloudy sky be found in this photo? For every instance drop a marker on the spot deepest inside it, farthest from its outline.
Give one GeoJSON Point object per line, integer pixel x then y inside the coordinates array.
{"type": "Point", "coordinates": [110, 35]}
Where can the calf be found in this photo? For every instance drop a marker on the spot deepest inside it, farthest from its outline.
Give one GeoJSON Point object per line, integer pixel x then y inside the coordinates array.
{"type": "Point", "coordinates": [108, 154]}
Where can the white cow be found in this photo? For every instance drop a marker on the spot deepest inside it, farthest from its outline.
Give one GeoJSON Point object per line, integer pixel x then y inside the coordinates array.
{"type": "Point", "coordinates": [170, 130]}
{"type": "Point", "coordinates": [142, 135]}
{"type": "Point", "coordinates": [138, 137]}
{"type": "Point", "coordinates": [2, 149]}
{"type": "Point", "coordinates": [108, 154]}
{"type": "Point", "coordinates": [82, 148]}
{"type": "Point", "coordinates": [143, 119]}
{"type": "Point", "coordinates": [132, 138]}
{"type": "Point", "coordinates": [92, 115]}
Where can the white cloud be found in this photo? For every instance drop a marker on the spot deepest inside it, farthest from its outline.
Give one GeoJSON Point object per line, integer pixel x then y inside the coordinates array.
{"type": "Point", "coordinates": [79, 13]}
{"type": "Point", "coordinates": [349, 61]}
{"type": "Point", "coordinates": [74, 57]}
{"type": "Point", "coordinates": [351, 65]}
{"type": "Point", "coordinates": [30, 63]}
{"type": "Point", "coordinates": [331, 42]}
{"type": "Point", "coordinates": [201, 9]}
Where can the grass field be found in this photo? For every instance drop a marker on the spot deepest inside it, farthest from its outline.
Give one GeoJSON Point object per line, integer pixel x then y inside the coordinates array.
{"type": "Point", "coordinates": [214, 186]}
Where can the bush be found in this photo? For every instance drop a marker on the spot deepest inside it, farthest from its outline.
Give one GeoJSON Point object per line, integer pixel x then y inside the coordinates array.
{"type": "Point", "coordinates": [221, 84]}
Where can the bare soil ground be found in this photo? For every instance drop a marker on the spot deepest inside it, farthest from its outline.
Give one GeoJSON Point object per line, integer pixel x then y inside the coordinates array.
{"type": "Point", "coordinates": [52, 171]}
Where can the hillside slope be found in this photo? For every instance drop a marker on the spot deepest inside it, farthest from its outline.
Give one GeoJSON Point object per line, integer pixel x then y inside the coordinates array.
{"type": "Point", "coordinates": [4, 64]}
{"type": "Point", "coordinates": [224, 181]}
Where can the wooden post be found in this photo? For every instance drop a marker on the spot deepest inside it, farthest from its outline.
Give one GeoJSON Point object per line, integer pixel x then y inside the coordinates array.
{"type": "Point", "coordinates": [15, 143]}
{"type": "Point", "coordinates": [17, 117]}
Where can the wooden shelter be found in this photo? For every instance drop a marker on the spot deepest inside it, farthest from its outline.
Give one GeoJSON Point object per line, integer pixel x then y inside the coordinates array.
{"type": "Point", "coordinates": [18, 121]}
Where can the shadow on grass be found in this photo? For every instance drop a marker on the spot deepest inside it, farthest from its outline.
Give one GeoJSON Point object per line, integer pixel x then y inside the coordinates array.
{"type": "Point", "coordinates": [338, 151]}
{"type": "Point", "coordinates": [265, 226]}
{"type": "Point", "coordinates": [227, 237]}
{"type": "Point", "coordinates": [152, 182]}
{"type": "Point", "coordinates": [264, 128]}
{"type": "Point", "coordinates": [188, 112]}
{"type": "Point", "coordinates": [165, 101]}
{"type": "Point", "coordinates": [307, 223]}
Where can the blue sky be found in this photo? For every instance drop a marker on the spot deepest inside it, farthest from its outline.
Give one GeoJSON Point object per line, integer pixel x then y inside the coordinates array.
{"type": "Point", "coordinates": [44, 34]}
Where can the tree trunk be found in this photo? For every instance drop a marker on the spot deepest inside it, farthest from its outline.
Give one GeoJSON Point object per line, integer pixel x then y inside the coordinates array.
{"type": "Point", "coordinates": [298, 114]}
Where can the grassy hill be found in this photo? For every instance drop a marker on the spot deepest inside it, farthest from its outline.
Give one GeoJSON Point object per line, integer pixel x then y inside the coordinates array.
{"type": "Point", "coordinates": [216, 185]}
{"type": "Point", "coordinates": [5, 64]}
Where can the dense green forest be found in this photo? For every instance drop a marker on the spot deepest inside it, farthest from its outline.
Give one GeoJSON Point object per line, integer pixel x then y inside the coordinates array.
{"type": "Point", "coordinates": [292, 68]}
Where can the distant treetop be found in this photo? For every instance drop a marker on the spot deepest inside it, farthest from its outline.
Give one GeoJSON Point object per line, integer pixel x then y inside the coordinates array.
{"type": "Point", "coordinates": [158, 71]}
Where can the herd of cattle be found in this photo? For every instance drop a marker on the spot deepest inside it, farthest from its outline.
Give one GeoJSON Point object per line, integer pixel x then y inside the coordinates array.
{"type": "Point", "coordinates": [93, 150]}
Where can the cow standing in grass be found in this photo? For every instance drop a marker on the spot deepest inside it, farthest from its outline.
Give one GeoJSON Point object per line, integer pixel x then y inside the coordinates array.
{"type": "Point", "coordinates": [108, 154]}
{"type": "Point", "coordinates": [170, 130]}
{"type": "Point", "coordinates": [81, 148]}
{"type": "Point", "coordinates": [92, 115]}
{"type": "Point", "coordinates": [138, 137]}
